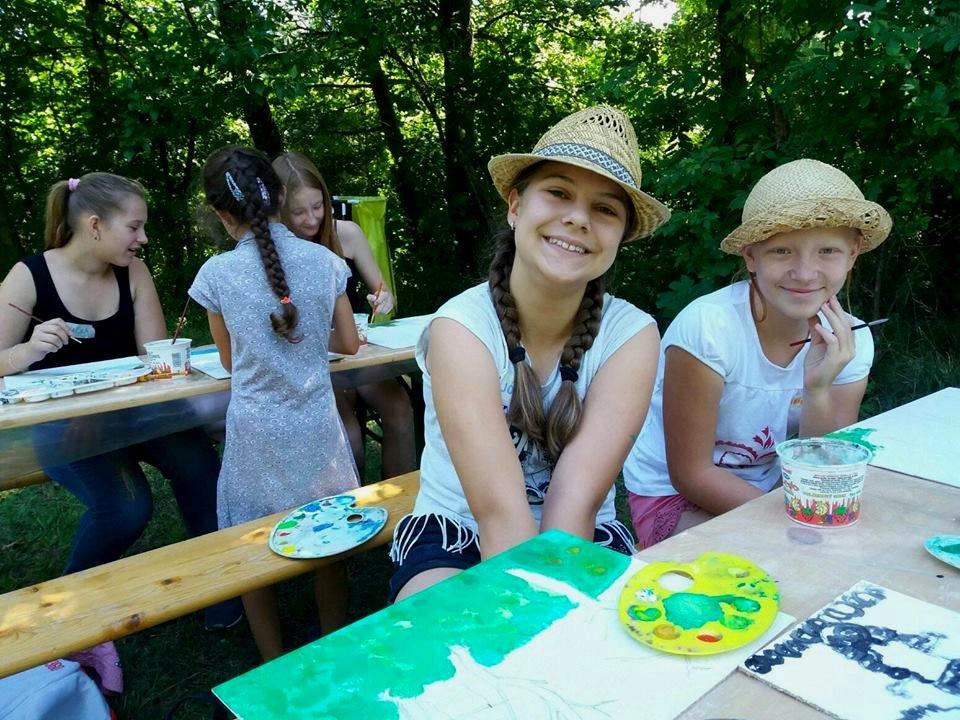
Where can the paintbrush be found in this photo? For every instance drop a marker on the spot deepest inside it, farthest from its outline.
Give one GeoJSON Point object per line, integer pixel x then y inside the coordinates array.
{"type": "Point", "coordinates": [872, 323]}
{"type": "Point", "coordinates": [34, 317]}
{"type": "Point", "coordinates": [181, 321]}
{"type": "Point", "coordinates": [376, 299]}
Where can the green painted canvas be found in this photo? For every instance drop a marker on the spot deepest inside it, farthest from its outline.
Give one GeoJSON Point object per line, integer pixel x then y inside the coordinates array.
{"type": "Point", "coordinates": [361, 670]}
{"type": "Point", "coordinates": [531, 633]}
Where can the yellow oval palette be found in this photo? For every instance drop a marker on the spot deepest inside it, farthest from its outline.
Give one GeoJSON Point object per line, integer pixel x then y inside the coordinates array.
{"type": "Point", "coordinates": [730, 603]}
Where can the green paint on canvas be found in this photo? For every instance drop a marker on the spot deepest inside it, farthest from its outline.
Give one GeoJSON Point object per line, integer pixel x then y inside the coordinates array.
{"type": "Point", "coordinates": [856, 435]}
{"type": "Point", "coordinates": [405, 647]}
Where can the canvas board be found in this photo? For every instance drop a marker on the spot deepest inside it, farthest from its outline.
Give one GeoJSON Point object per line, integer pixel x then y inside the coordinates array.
{"type": "Point", "coordinates": [531, 633]}
{"type": "Point", "coordinates": [207, 361]}
{"type": "Point", "coordinates": [398, 334]}
{"type": "Point", "coordinates": [870, 654]}
{"type": "Point", "coordinates": [914, 439]}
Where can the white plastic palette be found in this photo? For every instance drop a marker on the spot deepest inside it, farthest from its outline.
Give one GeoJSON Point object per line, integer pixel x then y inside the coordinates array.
{"type": "Point", "coordinates": [325, 527]}
{"type": "Point", "coordinates": [56, 386]}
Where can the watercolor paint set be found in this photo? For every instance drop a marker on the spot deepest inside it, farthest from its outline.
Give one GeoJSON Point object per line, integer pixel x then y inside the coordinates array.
{"type": "Point", "coordinates": [327, 526]}
{"type": "Point", "coordinates": [47, 385]}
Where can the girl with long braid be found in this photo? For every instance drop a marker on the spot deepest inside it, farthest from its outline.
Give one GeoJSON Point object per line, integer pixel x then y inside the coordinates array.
{"type": "Point", "coordinates": [271, 302]}
{"type": "Point", "coordinates": [536, 383]}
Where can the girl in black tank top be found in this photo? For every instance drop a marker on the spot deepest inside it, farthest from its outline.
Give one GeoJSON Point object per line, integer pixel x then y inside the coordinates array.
{"type": "Point", "coordinates": [94, 228]}
{"type": "Point", "coordinates": [114, 336]}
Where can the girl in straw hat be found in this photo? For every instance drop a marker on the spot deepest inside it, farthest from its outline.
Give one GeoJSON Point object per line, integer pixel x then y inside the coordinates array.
{"type": "Point", "coordinates": [732, 381]}
{"type": "Point", "coordinates": [536, 382]}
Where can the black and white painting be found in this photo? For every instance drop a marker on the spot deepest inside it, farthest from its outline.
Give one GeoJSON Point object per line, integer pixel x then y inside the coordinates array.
{"type": "Point", "coordinates": [870, 654]}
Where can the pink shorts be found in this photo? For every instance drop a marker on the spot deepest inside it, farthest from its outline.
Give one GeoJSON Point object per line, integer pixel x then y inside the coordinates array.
{"type": "Point", "coordinates": [655, 518]}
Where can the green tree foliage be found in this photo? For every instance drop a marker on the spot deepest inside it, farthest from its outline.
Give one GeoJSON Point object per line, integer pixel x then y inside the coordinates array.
{"type": "Point", "coordinates": [408, 100]}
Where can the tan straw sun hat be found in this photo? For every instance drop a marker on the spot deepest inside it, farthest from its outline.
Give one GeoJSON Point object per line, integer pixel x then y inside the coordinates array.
{"type": "Point", "coordinates": [600, 139]}
{"type": "Point", "coordinates": [805, 194]}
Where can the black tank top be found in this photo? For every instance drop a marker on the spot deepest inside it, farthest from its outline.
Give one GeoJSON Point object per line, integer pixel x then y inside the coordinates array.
{"type": "Point", "coordinates": [353, 291]}
{"type": "Point", "coordinates": [114, 335]}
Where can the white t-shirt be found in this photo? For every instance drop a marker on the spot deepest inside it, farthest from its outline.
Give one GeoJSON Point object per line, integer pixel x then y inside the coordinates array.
{"type": "Point", "coordinates": [760, 404]}
{"type": "Point", "coordinates": [440, 488]}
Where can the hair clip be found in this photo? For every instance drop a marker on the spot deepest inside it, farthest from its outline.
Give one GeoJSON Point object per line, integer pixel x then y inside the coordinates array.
{"type": "Point", "coordinates": [568, 373]}
{"type": "Point", "coordinates": [72, 184]}
{"type": "Point", "coordinates": [285, 300]}
{"type": "Point", "coordinates": [264, 194]}
{"type": "Point", "coordinates": [518, 354]}
{"type": "Point", "coordinates": [234, 188]}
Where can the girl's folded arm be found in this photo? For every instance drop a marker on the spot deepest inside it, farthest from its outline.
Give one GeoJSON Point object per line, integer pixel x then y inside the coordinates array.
{"type": "Point", "coordinates": [691, 406]}
{"type": "Point", "coordinates": [466, 393]}
{"type": "Point", "coordinates": [614, 409]}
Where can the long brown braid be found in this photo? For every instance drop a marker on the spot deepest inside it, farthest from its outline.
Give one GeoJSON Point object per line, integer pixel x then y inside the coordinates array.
{"type": "Point", "coordinates": [253, 175]}
{"type": "Point", "coordinates": [557, 427]}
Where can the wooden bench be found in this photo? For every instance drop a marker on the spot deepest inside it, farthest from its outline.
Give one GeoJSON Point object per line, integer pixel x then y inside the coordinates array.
{"type": "Point", "coordinates": [34, 478]}
{"type": "Point", "coordinates": [51, 619]}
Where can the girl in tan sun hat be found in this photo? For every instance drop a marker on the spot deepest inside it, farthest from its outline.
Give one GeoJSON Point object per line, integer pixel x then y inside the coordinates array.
{"type": "Point", "coordinates": [536, 382]}
{"type": "Point", "coordinates": [732, 381]}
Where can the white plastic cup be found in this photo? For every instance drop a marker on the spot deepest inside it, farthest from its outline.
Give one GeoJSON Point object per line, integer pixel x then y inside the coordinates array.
{"type": "Point", "coordinates": [361, 321]}
{"type": "Point", "coordinates": [823, 480]}
{"type": "Point", "coordinates": [169, 359]}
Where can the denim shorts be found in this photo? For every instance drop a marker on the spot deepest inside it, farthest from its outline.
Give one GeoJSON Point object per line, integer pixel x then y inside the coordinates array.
{"type": "Point", "coordinates": [425, 542]}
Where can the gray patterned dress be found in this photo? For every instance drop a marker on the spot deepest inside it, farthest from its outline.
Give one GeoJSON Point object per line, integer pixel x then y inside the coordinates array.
{"type": "Point", "coordinates": [285, 444]}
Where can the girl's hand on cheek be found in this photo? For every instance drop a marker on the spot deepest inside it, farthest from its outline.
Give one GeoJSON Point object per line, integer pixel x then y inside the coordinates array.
{"type": "Point", "coordinates": [829, 352]}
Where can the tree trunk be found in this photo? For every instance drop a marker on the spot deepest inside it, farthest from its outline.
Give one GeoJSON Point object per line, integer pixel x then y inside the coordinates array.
{"type": "Point", "coordinates": [733, 72]}
{"type": "Point", "coordinates": [234, 19]}
{"type": "Point", "coordinates": [405, 177]}
{"type": "Point", "coordinates": [102, 121]}
{"type": "Point", "coordinates": [468, 216]}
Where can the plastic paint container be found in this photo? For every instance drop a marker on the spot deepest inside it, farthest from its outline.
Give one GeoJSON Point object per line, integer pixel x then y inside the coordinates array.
{"type": "Point", "coordinates": [169, 359]}
{"type": "Point", "coordinates": [361, 321]}
{"type": "Point", "coordinates": [823, 480]}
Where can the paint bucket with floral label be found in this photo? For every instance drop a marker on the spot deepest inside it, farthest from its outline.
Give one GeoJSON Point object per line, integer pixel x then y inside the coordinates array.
{"type": "Point", "coordinates": [168, 359]}
{"type": "Point", "coordinates": [823, 480]}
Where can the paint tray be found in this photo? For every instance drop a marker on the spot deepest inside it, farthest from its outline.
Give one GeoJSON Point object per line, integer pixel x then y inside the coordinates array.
{"type": "Point", "coordinates": [731, 602]}
{"type": "Point", "coordinates": [327, 526]}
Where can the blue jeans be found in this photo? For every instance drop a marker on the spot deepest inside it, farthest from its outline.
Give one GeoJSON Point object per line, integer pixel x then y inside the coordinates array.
{"type": "Point", "coordinates": [117, 495]}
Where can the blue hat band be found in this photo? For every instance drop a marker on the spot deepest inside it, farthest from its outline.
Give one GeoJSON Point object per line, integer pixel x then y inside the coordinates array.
{"type": "Point", "coordinates": [597, 157]}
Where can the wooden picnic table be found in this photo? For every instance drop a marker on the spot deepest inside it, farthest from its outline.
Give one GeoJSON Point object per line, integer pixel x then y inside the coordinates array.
{"type": "Point", "coordinates": [61, 430]}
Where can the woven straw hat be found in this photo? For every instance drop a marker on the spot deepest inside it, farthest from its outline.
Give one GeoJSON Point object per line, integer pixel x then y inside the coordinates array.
{"type": "Point", "coordinates": [600, 139]}
{"type": "Point", "coordinates": [805, 194]}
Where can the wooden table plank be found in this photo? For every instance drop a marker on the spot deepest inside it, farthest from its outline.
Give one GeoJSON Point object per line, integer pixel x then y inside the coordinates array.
{"type": "Point", "coordinates": [159, 391]}
{"type": "Point", "coordinates": [53, 618]}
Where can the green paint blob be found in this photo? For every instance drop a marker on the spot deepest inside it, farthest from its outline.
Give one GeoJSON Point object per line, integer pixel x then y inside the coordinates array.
{"type": "Point", "coordinates": [645, 615]}
{"type": "Point", "coordinates": [405, 647]}
{"type": "Point", "coordinates": [693, 610]}
{"type": "Point", "coordinates": [856, 435]}
{"type": "Point", "coordinates": [737, 622]}
{"type": "Point", "coordinates": [287, 524]}
{"type": "Point", "coordinates": [951, 549]}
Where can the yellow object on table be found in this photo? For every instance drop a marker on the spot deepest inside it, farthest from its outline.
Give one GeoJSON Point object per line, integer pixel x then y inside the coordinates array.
{"type": "Point", "coordinates": [730, 603]}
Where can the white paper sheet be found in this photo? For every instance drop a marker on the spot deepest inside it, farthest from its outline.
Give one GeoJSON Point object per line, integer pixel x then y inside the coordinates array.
{"type": "Point", "coordinates": [616, 677]}
{"type": "Point", "coordinates": [398, 334]}
{"type": "Point", "coordinates": [917, 439]}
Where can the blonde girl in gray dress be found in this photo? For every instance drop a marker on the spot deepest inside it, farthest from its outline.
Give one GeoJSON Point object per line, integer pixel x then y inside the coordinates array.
{"type": "Point", "coordinates": [271, 302]}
